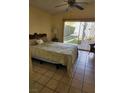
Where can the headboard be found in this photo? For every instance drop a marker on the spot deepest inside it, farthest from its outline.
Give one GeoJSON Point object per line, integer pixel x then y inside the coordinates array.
{"type": "Point", "coordinates": [36, 36]}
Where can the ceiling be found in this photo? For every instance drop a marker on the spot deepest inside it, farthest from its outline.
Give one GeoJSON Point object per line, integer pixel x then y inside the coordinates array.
{"type": "Point", "coordinates": [49, 5]}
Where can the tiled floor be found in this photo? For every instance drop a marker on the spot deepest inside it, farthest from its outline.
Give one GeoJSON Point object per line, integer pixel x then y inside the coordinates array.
{"type": "Point", "coordinates": [47, 79]}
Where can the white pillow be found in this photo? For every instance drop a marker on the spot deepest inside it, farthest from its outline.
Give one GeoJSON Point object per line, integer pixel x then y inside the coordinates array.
{"type": "Point", "coordinates": [39, 41]}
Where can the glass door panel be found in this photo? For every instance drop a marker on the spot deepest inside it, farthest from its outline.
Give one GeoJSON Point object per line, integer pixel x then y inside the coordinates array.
{"type": "Point", "coordinates": [80, 33]}
{"type": "Point", "coordinates": [71, 32]}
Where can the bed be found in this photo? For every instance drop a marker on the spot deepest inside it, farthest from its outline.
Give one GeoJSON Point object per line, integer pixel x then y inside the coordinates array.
{"type": "Point", "coordinates": [57, 53]}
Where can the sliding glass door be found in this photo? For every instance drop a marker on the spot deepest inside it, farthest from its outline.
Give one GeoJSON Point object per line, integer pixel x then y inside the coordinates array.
{"type": "Point", "coordinates": [79, 32]}
{"type": "Point", "coordinates": [71, 32]}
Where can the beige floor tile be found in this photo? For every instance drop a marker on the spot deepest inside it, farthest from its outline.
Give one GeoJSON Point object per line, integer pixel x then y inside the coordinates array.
{"type": "Point", "coordinates": [80, 62]}
{"type": "Point", "coordinates": [89, 70]}
{"type": "Point", "coordinates": [76, 83]}
{"type": "Point", "coordinates": [89, 73]}
{"type": "Point", "coordinates": [34, 72]}
{"type": "Point", "coordinates": [31, 83]}
{"type": "Point", "coordinates": [46, 90]}
{"type": "Point", "coordinates": [52, 84]}
{"type": "Point", "coordinates": [90, 81]}
{"type": "Point", "coordinates": [91, 66]}
{"type": "Point", "coordinates": [66, 80]}
{"type": "Point", "coordinates": [44, 79]}
{"type": "Point", "coordinates": [89, 88]}
{"type": "Point", "coordinates": [78, 76]}
{"type": "Point", "coordinates": [36, 76]}
{"type": "Point", "coordinates": [73, 73]}
{"type": "Point", "coordinates": [80, 70]}
{"type": "Point", "coordinates": [62, 88]}
{"type": "Point", "coordinates": [49, 73]}
{"type": "Point", "coordinates": [57, 76]}
{"type": "Point", "coordinates": [35, 68]}
{"type": "Point", "coordinates": [35, 88]}
{"type": "Point", "coordinates": [74, 69]}
{"type": "Point", "coordinates": [74, 90]}
{"type": "Point", "coordinates": [42, 70]}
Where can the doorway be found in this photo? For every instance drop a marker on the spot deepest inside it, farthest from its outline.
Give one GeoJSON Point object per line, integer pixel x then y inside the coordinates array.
{"type": "Point", "coordinates": [79, 33]}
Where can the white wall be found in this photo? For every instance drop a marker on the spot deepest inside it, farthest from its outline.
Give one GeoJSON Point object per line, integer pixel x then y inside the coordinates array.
{"type": "Point", "coordinates": [39, 21]}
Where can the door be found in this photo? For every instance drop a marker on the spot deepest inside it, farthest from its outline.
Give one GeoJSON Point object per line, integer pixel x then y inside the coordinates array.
{"type": "Point", "coordinates": [79, 33]}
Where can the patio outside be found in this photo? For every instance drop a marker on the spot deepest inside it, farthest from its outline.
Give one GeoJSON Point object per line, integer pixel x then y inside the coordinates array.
{"type": "Point", "coordinates": [79, 33]}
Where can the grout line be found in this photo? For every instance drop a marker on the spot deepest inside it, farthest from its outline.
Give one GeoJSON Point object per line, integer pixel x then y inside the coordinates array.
{"type": "Point", "coordinates": [47, 81]}
{"type": "Point", "coordinates": [84, 73]}
{"type": "Point", "coordinates": [72, 77]}
{"type": "Point", "coordinates": [54, 90]}
{"type": "Point", "coordinates": [58, 83]}
{"type": "Point", "coordinates": [46, 84]}
{"type": "Point", "coordinates": [39, 84]}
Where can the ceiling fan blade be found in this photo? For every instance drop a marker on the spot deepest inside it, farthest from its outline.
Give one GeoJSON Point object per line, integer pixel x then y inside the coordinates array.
{"type": "Point", "coordinates": [79, 7]}
{"type": "Point", "coordinates": [61, 5]}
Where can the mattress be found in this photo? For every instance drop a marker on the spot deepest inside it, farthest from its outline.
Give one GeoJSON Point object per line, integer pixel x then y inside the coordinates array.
{"type": "Point", "coordinates": [56, 52]}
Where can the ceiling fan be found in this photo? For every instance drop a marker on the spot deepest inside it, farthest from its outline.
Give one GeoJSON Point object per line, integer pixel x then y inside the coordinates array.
{"type": "Point", "coordinates": [72, 3]}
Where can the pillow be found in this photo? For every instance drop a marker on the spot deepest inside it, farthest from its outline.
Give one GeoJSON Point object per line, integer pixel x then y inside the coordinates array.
{"type": "Point", "coordinates": [39, 41]}
{"type": "Point", "coordinates": [32, 42]}
{"type": "Point", "coordinates": [44, 39]}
